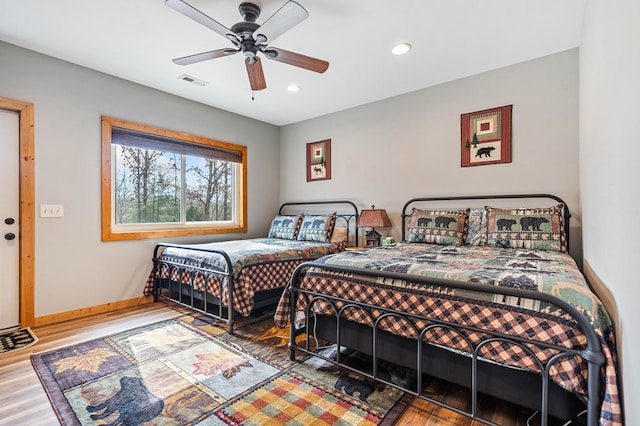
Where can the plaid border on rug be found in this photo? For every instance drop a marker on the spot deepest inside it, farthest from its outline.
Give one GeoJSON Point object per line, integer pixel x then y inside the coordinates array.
{"type": "Point", "coordinates": [292, 399]}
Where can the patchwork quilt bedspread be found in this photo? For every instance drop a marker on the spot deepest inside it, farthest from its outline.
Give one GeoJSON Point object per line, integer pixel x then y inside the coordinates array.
{"type": "Point", "coordinates": [257, 264]}
{"type": "Point", "coordinates": [548, 272]}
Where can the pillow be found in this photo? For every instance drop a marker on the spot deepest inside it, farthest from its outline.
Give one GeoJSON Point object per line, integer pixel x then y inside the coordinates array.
{"type": "Point", "coordinates": [340, 234]}
{"type": "Point", "coordinates": [317, 228]}
{"type": "Point", "coordinates": [477, 233]}
{"type": "Point", "coordinates": [285, 227]}
{"type": "Point", "coordinates": [530, 228]}
{"type": "Point", "coordinates": [447, 227]}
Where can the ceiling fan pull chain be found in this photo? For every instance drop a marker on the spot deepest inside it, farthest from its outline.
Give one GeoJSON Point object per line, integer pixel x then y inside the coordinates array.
{"type": "Point", "coordinates": [252, 98]}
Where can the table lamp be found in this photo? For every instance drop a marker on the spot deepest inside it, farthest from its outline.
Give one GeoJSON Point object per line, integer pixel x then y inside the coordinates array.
{"type": "Point", "coordinates": [373, 218]}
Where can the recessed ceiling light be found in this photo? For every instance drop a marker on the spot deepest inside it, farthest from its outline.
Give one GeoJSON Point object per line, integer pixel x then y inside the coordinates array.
{"type": "Point", "coordinates": [401, 48]}
{"type": "Point", "coordinates": [293, 88]}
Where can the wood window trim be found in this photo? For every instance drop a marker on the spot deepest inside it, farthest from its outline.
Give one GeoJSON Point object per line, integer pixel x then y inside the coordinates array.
{"type": "Point", "coordinates": [108, 234]}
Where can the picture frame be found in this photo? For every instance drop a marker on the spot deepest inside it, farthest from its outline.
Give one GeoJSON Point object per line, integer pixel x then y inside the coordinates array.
{"type": "Point", "coordinates": [319, 160]}
{"type": "Point", "coordinates": [486, 136]}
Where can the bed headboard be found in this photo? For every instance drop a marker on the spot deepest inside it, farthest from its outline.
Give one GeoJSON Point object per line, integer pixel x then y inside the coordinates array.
{"type": "Point", "coordinates": [346, 212]}
{"type": "Point", "coordinates": [479, 201]}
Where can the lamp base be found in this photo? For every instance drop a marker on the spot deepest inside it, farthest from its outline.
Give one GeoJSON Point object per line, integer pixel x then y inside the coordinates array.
{"type": "Point", "coordinates": [372, 238]}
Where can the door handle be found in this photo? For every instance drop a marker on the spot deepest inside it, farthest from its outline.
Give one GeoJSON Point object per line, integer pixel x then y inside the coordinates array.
{"type": "Point", "coordinates": [9, 236]}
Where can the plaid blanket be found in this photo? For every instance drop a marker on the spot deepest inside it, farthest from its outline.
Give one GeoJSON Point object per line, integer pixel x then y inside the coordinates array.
{"type": "Point", "coordinates": [543, 271]}
{"type": "Point", "coordinates": [257, 264]}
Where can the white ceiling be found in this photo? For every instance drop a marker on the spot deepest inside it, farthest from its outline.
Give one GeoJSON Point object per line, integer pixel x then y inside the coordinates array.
{"type": "Point", "coordinates": [137, 39]}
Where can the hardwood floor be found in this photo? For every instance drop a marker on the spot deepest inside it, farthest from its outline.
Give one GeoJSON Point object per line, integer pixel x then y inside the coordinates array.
{"type": "Point", "coordinates": [24, 402]}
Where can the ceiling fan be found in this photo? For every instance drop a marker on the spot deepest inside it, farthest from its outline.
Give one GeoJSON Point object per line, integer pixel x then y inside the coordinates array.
{"type": "Point", "coordinates": [251, 38]}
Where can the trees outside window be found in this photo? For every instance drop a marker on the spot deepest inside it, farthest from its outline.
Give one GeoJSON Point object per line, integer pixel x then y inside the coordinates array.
{"type": "Point", "coordinates": [162, 183]}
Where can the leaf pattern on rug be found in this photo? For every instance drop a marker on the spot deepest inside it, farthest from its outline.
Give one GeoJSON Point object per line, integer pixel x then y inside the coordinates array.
{"type": "Point", "coordinates": [91, 361]}
{"type": "Point", "coordinates": [223, 361]}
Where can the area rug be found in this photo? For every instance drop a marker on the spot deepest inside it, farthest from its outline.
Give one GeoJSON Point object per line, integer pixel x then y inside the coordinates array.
{"type": "Point", "coordinates": [187, 371]}
{"type": "Point", "coordinates": [16, 340]}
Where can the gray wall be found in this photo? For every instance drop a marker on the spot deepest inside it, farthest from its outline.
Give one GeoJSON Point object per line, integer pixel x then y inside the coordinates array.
{"type": "Point", "coordinates": [609, 154]}
{"type": "Point", "coordinates": [74, 269]}
{"type": "Point", "coordinates": [387, 152]}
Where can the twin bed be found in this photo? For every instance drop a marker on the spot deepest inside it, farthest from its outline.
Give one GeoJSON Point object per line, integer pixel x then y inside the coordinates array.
{"type": "Point", "coordinates": [485, 297]}
{"type": "Point", "coordinates": [252, 273]}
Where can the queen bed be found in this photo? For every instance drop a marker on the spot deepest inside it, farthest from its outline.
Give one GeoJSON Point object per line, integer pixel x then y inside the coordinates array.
{"type": "Point", "coordinates": [487, 298]}
{"type": "Point", "coordinates": [251, 273]}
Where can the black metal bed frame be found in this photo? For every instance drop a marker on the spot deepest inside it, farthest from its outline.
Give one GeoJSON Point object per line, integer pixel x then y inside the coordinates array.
{"type": "Point", "coordinates": [208, 304]}
{"type": "Point", "coordinates": [376, 338]}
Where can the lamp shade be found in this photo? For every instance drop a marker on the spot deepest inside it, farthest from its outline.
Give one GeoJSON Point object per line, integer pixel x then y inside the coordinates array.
{"type": "Point", "coordinates": [374, 218]}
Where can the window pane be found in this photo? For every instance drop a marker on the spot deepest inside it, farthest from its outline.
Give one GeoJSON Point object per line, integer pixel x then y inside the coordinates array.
{"type": "Point", "coordinates": [147, 186]}
{"type": "Point", "coordinates": [209, 189]}
{"type": "Point", "coordinates": [163, 183]}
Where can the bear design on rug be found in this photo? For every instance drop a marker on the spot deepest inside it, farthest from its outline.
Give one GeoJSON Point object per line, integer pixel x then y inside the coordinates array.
{"type": "Point", "coordinates": [351, 385]}
{"type": "Point", "coordinates": [134, 403]}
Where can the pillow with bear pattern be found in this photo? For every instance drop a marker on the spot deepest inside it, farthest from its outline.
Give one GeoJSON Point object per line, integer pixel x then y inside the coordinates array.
{"type": "Point", "coordinates": [447, 227]}
{"type": "Point", "coordinates": [317, 228]}
{"type": "Point", "coordinates": [529, 228]}
{"type": "Point", "coordinates": [285, 227]}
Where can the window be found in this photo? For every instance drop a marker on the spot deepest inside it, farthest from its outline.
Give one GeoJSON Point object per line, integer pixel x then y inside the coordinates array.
{"type": "Point", "coordinates": [160, 183]}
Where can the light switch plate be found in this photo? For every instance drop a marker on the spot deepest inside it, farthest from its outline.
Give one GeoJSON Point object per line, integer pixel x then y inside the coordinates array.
{"type": "Point", "coordinates": [51, 210]}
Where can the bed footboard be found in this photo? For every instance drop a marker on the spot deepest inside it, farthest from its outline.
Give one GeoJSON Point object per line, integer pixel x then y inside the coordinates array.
{"type": "Point", "coordinates": [376, 339]}
{"type": "Point", "coordinates": [164, 269]}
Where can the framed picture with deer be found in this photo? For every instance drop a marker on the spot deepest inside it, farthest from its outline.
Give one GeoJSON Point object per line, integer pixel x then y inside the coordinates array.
{"type": "Point", "coordinates": [486, 136]}
{"type": "Point", "coordinates": [319, 160]}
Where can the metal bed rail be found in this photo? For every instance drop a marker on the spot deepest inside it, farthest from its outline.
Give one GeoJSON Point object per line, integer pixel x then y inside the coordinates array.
{"type": "Point", "coordinates": [224, 278]}
{"type": "Point", "coordinates": [592, 353]}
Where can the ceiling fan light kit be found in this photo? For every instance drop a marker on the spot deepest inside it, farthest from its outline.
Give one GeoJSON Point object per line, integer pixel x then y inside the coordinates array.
{"type": "Point", "coordinates": [251, 38]}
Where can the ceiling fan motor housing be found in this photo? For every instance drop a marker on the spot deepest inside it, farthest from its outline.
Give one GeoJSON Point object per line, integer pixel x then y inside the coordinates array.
{"type": "Point", "coordinates": [249, 11]}
{"type": "Point", "coordinates": [245, 29]}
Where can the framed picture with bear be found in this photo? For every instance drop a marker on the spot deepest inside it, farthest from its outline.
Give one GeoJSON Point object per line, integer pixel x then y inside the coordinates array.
{"type": "Point", "coordinates": [486, 136]}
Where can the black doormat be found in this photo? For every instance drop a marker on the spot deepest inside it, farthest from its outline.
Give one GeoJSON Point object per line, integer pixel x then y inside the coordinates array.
{"type": "Point", "coordinates": [17, 339]}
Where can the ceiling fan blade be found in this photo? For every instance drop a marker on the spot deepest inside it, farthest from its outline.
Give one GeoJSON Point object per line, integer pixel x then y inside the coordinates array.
{"type": "Point", "coordinates": [193, 13]}
{"type": "Point", "coordinates": [285, 18]}
{"type": "Point", "coordinates": [204, 56]}
{"type": "Point", "coordinates": [256, 75]}
{"type": "Point", "coordinates": [297, 59]}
